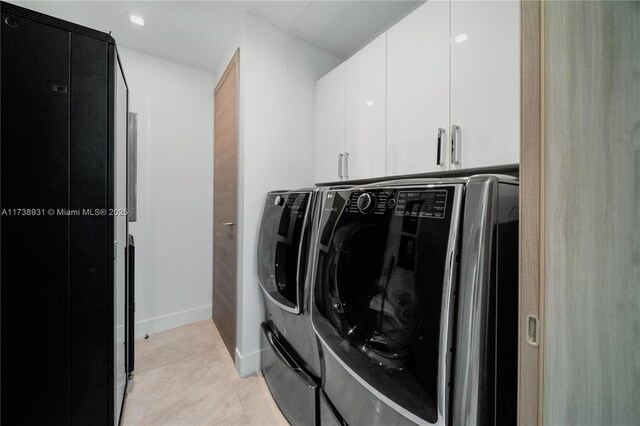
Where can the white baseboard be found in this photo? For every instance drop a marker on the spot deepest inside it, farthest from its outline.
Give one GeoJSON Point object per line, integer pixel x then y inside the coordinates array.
{"type": "Point", "coordinates": [173, 320]}
{"type": "Point", "coordinates": [249, 364]}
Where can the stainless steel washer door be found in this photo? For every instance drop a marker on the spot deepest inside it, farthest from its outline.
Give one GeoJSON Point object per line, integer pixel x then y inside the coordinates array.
{"type": "Point", "coordinates": [382, 300]}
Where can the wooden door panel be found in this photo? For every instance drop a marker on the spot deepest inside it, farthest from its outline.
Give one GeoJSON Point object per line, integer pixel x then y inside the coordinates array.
{"type": "Point", "coordinates": [590, 199]}
{"type": "Point", "coordinates": [224, 204]}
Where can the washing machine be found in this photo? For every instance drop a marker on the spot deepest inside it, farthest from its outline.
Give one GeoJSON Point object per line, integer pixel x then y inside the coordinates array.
{"type": "Point", "coordinates": [415, 302]}
{"type": "Point", "coordinates": [290, 359]}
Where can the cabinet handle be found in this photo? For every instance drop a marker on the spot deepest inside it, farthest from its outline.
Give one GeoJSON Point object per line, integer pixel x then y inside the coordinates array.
{"type": "Point", "coordinates": [346, 165]}
{"type": "Point", "coordinates": [340, 157]}
{"type": "Point", "coordinates": [441, 134]}
{"type": "Point", "coordinates": [455, 144]}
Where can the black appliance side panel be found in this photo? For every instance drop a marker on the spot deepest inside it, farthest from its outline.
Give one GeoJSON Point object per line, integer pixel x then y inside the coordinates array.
{"type": "Point", "coordinates": [88, 233]}
{"type": "Point", "coordinates": [34, 174]}
{"type": "Point", "coordinates": [131, 305]}
{"type": "Point", "coordinates": [112, 63]}
{"type": "Point", "coordinates": [506, 312]}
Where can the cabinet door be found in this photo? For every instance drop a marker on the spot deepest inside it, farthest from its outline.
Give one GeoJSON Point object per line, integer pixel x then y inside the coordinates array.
{"type": "Point", "coordinates": [34, 258]}
{"type": "Point", "coordinates": [89, 166]}
{"type": "Point", "coordinates": [330, 124]}
{"type": "Point", "coordinates": [485, 81]}
{"type": "Point", "coordinates": [418, 90]}
{"type": "Point", "coordinates": [366, 110]}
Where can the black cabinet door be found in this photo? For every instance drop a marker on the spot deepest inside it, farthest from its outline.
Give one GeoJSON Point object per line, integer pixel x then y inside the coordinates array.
{"type": "Point", "coordinates": [34, 157]}
{"type": "Point", "coordinates": [88, 241]}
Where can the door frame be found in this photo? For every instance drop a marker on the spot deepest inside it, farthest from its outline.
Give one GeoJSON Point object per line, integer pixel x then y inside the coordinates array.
{"type": "Point", "coordinates": [531, 251]}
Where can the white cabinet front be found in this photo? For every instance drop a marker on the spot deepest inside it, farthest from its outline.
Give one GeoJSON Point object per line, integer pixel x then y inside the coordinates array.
{"type": "Point", "coordinates": [485, 83]}
{"type": "Point", "coordinates": [330, 126]}
{"type": "Point", "coordinates": [418, 91]}
{"type": "Point", "coordinates": [366, 111]}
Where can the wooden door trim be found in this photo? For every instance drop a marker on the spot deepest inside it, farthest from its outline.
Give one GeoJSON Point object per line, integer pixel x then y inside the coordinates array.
{"type": "Point", "coordinates": [234, 65]}
{"type": "Point", "coordinates": [531, 255]}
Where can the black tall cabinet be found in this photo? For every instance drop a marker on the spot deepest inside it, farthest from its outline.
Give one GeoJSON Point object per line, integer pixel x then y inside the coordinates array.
{"type": "Point", "coordinates": [63, 228]}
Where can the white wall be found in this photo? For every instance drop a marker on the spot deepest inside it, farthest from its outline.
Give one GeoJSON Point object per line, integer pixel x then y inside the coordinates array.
{"type": "Point", "coordinates": [277, 100]}
{"type": "Point", "coordinates": [173, 232]}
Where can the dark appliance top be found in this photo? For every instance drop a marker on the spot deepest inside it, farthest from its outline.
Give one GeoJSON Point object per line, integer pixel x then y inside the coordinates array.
{"type": "Point", "coordinates": [506, 169]}
{"type": "Point", "coordinates": [55, 22]}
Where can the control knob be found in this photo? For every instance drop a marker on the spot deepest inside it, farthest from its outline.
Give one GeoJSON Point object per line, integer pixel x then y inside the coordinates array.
{"type": "Point", "coordinates": [366, 202]}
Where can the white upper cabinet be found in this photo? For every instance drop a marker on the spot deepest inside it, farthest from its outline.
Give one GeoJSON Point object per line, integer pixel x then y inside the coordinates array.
{"type": "Point", "coordinates": [485, 82]}
{"type": "Point", "coordinates": [330, 125]}
{"type": "Point", "coordinates": [446, 75]}
{"type": "Point", "coordinates": [366, 111]}
{"type": "Point", "coordinates": [418, 91]}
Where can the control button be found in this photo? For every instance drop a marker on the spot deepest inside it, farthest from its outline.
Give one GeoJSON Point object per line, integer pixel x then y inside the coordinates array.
{"type": "Point", "coordinates": [278, 201]}
{"type": "Point", "coordinates": [366, 202]}
{"type": "Point", "coordinates": [392, 202]}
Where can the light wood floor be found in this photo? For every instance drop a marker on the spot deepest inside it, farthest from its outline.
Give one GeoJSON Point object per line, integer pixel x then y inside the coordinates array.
{"type": "Point", "coordinates": [185, 376]}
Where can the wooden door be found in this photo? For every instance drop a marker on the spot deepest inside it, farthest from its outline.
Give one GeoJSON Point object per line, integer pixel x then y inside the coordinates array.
{"type": "Point", "coordinates": [530, 258]}
{"type": "Point", "coordinates": [579, 268]}
{"type": "Point", "coordinates": [591, 172]}
{"type": "Point", "coordinates": [224, 203]}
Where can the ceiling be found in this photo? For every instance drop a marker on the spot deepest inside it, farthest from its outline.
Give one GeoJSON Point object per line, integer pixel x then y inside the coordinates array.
{"type": "Point", "coordinates": [198, 33]}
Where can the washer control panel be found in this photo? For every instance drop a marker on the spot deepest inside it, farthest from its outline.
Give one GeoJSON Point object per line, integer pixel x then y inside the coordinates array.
{"type": "Point", "coordinates": [418, 203]}
{"type": "Point", "coordinates": [368, 202]}
{"type": "Point", "coordinates": [422, 203]}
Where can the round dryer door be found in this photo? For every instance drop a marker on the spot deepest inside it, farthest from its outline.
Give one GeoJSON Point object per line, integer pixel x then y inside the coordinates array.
{"type": "Point", "coordinates": [282, 247]}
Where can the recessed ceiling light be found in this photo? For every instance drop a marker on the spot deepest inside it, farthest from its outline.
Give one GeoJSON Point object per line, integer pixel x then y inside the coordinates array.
{"type": "Point", "coordinates": [460, 38]}
{"type": "Point", "coordinates": [370, 103]}
{"type": "Point", "coordinates": [136, 20]}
